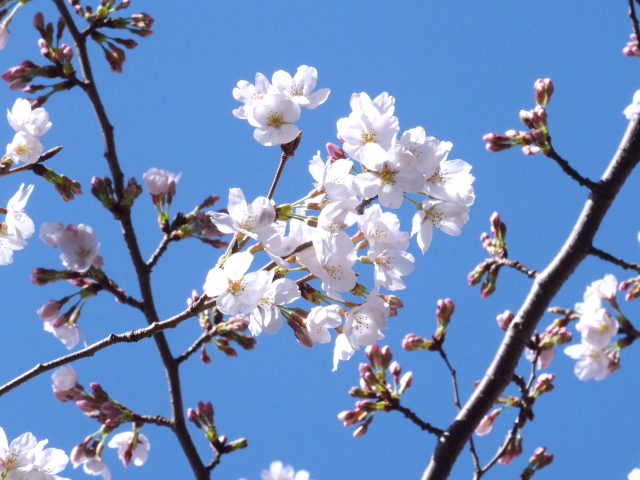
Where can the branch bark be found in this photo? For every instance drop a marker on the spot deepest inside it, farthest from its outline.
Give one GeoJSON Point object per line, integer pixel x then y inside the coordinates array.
{"type": "Point", "coordinates": [545, 286]}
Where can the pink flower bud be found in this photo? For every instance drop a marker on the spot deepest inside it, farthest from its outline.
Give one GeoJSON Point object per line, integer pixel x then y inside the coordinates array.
{"type": "Point", "coordinates": [405, 382]}
{"type": "Point", "coordinates": [360, 431]}
{"type": "Point", "coordinates": [50, 310]}
{"type": "Point", "coordinates": [335, 152]}
{"type": "Point", "coordinates": [504, 319]}
{"type": "Point", "coordinates": [543, 88]}
{"type": "Point", "coordinates": [395, 369]}
{"type": "Point", "coordinates": [486, 424]}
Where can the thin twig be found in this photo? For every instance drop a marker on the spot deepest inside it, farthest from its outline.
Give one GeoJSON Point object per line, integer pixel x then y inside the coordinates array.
{"type": "Point", "coordinates": [202, 339]}
{"type": "Point", "coordinates": [283, 160]}
{"type": "Point", "coordinates": [127, 337]}
{"type": "Point", "coordinates": [516, 265]}
{"type": "Point", "coordinates": [596, 252]}
{"type": "Point", "coordinates": [155, 419]}
{"type": "Point", "coordinates": [298, 249]}
{"type": "Point", "coordinates": [162, 247]}
{"type": "Point", "coordinates": [425, 426]}
{"type": "Point", "coordinates": [456, 402]}
{"type": "Point", "coordinates": [569, 170]}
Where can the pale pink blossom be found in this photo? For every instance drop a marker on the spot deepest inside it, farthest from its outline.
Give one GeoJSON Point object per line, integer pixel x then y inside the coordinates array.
{"type": "Point", "coordinates": [160, 182]}
{"type": "Point", "coordinates": [267, 316]}
{"type": "Point", "coordinates": [300, 87]}
{"type": "Point", "coordinates": [592, 363]}
{"type": "Point", "coordinates": [24, 148]}
{"type": "Point", "coordinates": [273, 119]}
{"type": "Point", "coordinates": [320, 319]}
{"type": "Point", "coordinates": [64, 378]}
{"type": "Point", "coordinates": [23, 119]}
{"type": "Point", "coordinates": [448, 217]}
{"type": "Point", "coordinates": [255, 219]}
{"type": "Point", "coordinates": [78, 246]}
{"type": "Point", "coordinates": [138, 449]}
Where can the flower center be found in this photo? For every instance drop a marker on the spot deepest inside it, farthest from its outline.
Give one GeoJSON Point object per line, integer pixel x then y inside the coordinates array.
{"type": "Point", "coordinates": [274, 119]}
{"type": "Point", "coordinates": [384, 262]}
{"type": "Point", "coordinates": [387, 175]}
{"type": "Point", "coordinates": [360, 323]}
{"type": "Point", "coordinates": [438, 175]}
{"type": "Point", "coordinates": [435, 217]}
{"type": "Point", "coordinates": [297, 91]}
{"type": "Point", "coordinates": [236, 287]}
{"type": "Point", "coordinates": [368, 136]}
{"type": "Point", "coordinates": [22, 148]}
{"type": "Point", "coordinates": [83, 252]}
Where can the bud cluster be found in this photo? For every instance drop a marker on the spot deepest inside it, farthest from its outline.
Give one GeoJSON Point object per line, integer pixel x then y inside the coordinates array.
{"type": "Point", "coordinates": [377, 394]}
{"type": "Point", "coordinates": [497, 249]}
{"type": "Point", "coordinates": [631, 48]}
{"type": "Point", "coordinates": [202, 417]}
{"type": "Point", "coordinates": [537, 138]}
{"type": "Point", "coordinates": [538, 461]}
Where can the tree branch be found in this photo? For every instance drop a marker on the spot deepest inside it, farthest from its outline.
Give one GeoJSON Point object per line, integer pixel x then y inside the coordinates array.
{"type": "Point", "coordinates": [569, 170]}
{"type": "Point", "coordinates": [634, 21]}
{"type": "Point", "coordinates": [427, 427]}
{"type": "Point", "coordinates": [545, 286]}
{"type": "Point", "coordinates": [516, 265]}
{"type": "Point", "coordinates": [596, 252]}
{"type": "Point", "coordinates": [164, 243]}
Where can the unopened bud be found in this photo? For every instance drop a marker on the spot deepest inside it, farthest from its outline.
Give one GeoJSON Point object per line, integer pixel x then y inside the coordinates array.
{"type": "Point", "coordinates": [237, 445]}
{"type": "Point", "coordinates": [335, 152]}
{"type": "Point", "coordinates": [486, 424]}
{"type": "Point", "coordinates": [504, 319]}
{"type": "Point", "coordinates": [543, 384]}
{"type": "Point", "coordinates": [444, 310]}
{"type": "Point", "coordinates": [385, 357]}
{"type": "Point", "coordinates": [543, 88]}
{"type": "Point", "coordinates": [405, 382]}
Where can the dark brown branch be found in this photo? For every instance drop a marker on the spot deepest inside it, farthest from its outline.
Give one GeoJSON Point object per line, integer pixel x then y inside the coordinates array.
{"type": "Point", "coordinates": [283, 160]}
{"type": "Point", "coordinates": [569, 170]}
{"type": "Point", "coordinates": [202, 339]}
{"type": "Point", "coordinates": [127, 337]}
{"type": "Point", "coordinates": [596, 252]}
{"type": "Point", "coordinates": [142, 269]}
{"type": "Point", "coordinates": [155, 419]}
{"type": "Point", "coordinates": [516, 265]}
{"type": "Point", "coordinates": [427, 427]}
{"type": "Point", "coordinates": [634, 21]}
{"type": "Point", "coordinates": [545, 286]}
{"type": "Point", "coordinates": [164, 243]}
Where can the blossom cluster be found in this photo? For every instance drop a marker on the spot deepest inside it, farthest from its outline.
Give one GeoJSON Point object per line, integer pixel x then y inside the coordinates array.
{"type": "Point", "coordinates": [26, 458]}
{"type": "Point", "coordinates": [17, 225]}
{"type": "Point", "coordinates": [316, 240]}
{"type": "Point", "coordinates": [595, 357]}
{"type": "Point", "coordinates": [273, 107]}
{"type": "Point", "coordinates": [29, 126]}
{"type": "Point", "coordinates": [132, 446]}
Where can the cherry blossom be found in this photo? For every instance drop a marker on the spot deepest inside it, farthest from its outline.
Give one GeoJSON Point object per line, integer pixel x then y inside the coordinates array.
{"type": "Point", "coordinates": [91, 465]}
{"type": "Point", "coordinates": [255, 219]}
{"type": "Point", "coordinates": [364, 324]}
{"type": "Point", "coordinates": [273, 119]}
{"type": "Point", "coordinates": [597, 327]}
{"type": "Point", "coordinates": [299, 87]}
{"type": "Point", "coordinates": [446, 216]}
{"type": "Point", "coordinates": [250, 94]}
{"type": "Point", "coordinates": [235, 291]}
{"type": "Point", "coordinates": [130, 449]}
{"type": "Point", "coordinates": [160, 182]}
{"type": "Point", "coordinates": [15, 455]}
{"type": "Point", "coordinates": [8, 244]}
{"type": "Point", "coordinates": [22, 119]}
{"type": "Point", "coordinates": [278, 471]}
{"type": "Point", "coordinates": [320, 319]}
{"type": "Point", "coordinates": [452, 181]}
{"type": "Point", "coordinates": [427, 152]}
{"type": "Point", "coordinates": [24, 148]}
{"type": "Point", "coordinates": [18, 222]}
{"type": "Point", "coordinates": [384, 103]}
{"type": "Point", "coordinates": [389, 174]}
{"type": "Point", "coordinates": [68, 333]}
{"type": "Point", "coordinates": [634, 474]}
{"type": "Point", "coordinates": [382, 229]}
{"type": "Point", "coordinates": [342, 350]}
{"type": "Point", "coordinates": [77, 244]}
{"type": "Point", "coordinates": [65, 378]}
{"type": "Point", "coordinates": [634, 107]}
{"type": "Point", "coordinates": [592, 362]}
{"type": "Point", "coordinates": [390, 265]}
{"type": "Point", "coordinates": [365, 125]}
{"type": "Point", "coordinates": [333, 176]}
{"type": "Point", "coordinates": [267, 316]}
{"type": "Point", "coordinates": [333, 270]}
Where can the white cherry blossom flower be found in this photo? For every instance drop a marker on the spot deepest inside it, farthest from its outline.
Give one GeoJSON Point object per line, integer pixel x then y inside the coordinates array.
{"type": "Point", "coordinates": [389, 174]}
{"type": "Point", "coordinates": [139, 451]}
{"type": "Point", "coordinates": [91, 465]}
{"type": "Point", "coordinates": [15, 455]}
{"type": "Point", "coordinates": [333, 176]}
{"type": "Point", "coordinates": [251, 95]}
{"type": "Point", "coordinates": [342, 350]}
{"type": "Point", "coordinates": [68, 333]}
{"type": "Point", "coordinates": [333, 270]}
{"type": "Point", "coordinates": [389, 266]}
{"type": "Point", "coordinates": [64, 378]}
{"type": "Point", "coordinates": [634, 474]}
{"type": "Point", "coordinates": [8, 244]}
{"type": "Point", "coordinates": [364, 126]}
{"type": "Point", "coordinates": [384, 103]}
{"type": "Point", "coordinates": [273, 119]}
{"type": "Point", "coordinates": [592, 362]}
{"type": "Point", "coordinates": [427, 152]}
{"type": "Point", "coordinates": [597, 327]}
{"type": "Point", "coordinates": [22, 119]}
{"type": "Point", "coordinates": [452, 181]}
{"type": "Point", "coordinates": [45, 463]}
{"type": "Point", "coordinates": [604, 289]}
{"type": "Point", "coordinates": [634, 107]}
{"type": "Point", "coordinates": [24, 148]}
{"type": "Point", "coordinates": [267, 316]}
{"type": "Point", "coordinates": [446, 216]}
{"type": "Point", "coordinates": [18, 222]}
{"type": "Point", "coordinates": [78, 246]}
{"type": "Point", "coordinates": [320, 319]}
{"type": "Point", "coordinates": [300, 87]}
{"type": "Point", "coordinates": [160, 182]}
{"type": "Point", "coordinates": [50, 233]}
{"type": "Point", "coordinates": [235, 291]}
{"type": "Point", "coordinates": [382, 229]}
{"type": "Point", "coordinates": [278, 471]}
{"type": "Point", "coordinates": [364, 324]}
{"type": "Point", "coordinates": [255, 219]}
{"type": "Point", "coordinates": [544, 359]}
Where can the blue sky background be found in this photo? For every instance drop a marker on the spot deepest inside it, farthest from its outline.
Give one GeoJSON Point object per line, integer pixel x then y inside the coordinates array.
{"type": "Point", "coordinates": [460, 70]}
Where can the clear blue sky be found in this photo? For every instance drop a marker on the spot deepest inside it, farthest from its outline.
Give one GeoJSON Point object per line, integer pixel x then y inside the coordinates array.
{"type": "Point", "coordinates": [459, 70]}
